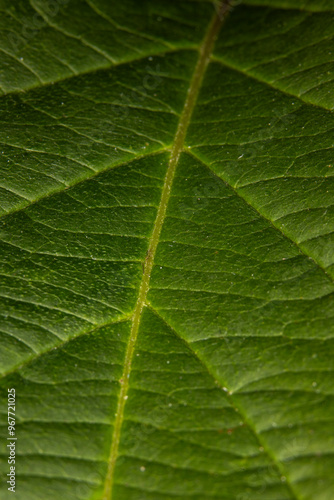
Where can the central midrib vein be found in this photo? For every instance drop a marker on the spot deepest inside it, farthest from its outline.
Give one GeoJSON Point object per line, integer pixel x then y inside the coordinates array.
{"type": "Point", "coordinates": [205, 51]}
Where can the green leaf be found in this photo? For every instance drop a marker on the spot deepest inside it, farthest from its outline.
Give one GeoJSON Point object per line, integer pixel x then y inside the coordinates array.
{"type": "Point", "coordinates": [167, 256]}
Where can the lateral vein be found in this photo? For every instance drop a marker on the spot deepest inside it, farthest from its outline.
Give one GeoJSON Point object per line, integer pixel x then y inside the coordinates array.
{"type": "Point", "coordinates": [205, 51]}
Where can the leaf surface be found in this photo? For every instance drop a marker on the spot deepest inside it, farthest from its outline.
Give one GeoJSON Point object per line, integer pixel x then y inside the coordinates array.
{"type": "Point", "coordinates": [167, 259]}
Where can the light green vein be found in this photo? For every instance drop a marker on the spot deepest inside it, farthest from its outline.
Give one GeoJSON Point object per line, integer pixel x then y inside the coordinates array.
{"type": "Point", "coordinates": [76, 181]}
{"type": "Point", "coordinates": [279, 466]}
{"type": "Point", "coordinates": [96, 69]}
{"type": "Point", "coordinates": [62, 343]}
{"type": "Point", "coordinates": [249, 74]}
{"type": "Point", "coordinates": [272, 223]}
{"type": "Point", "coordinates": [205, 51]}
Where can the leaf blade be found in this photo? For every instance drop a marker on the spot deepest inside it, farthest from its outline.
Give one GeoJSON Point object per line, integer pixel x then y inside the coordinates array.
{"type": "Point", "coordinates": [252, 307]}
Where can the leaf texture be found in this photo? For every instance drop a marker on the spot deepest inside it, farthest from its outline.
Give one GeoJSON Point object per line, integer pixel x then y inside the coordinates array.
{"type": "Point", "coordinates": [167, 263]}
